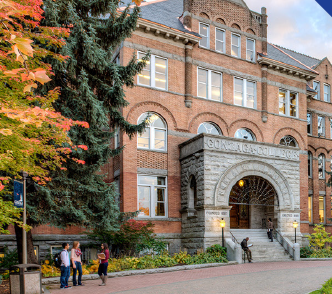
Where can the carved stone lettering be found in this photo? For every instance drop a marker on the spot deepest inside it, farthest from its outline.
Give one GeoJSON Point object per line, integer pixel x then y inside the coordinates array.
{"type": "Point", "coordinates": [251, 148]}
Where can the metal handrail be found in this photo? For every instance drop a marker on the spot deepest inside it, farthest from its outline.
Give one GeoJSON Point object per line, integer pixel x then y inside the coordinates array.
{"type": "Point", "coordinates": [283, 242]}
{"type": "Point", "coordinates": [234, 239]}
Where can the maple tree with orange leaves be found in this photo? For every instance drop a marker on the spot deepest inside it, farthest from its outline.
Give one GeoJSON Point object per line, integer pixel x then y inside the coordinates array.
{"type": "Point", "coordinates": [32, 133]}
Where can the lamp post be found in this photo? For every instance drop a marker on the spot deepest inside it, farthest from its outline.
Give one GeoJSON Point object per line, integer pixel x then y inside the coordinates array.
{"type": "Point", "coordinates": [295, 224]}
{"type": "Point", "coordinates": [222, 224]}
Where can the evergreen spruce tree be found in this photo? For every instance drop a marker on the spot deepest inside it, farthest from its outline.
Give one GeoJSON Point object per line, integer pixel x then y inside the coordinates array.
{"type": "Point", "coordinates": [92, 90]}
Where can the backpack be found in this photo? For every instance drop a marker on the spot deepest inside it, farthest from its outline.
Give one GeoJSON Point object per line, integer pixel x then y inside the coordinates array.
{"type": "Point", "coordinates": [242, 244]}
{"type": "Point", "coordinates": [57, 259]}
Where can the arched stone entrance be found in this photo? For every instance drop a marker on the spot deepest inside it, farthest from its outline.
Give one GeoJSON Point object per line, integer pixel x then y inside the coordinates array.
{"type": "Point", "coordinates": [252, 200]}
{"type": "Point", "coordinates": [218, 163]}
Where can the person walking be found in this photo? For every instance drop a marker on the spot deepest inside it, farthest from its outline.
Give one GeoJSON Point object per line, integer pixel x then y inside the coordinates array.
{"type": "Point", "coordinates": [270, 228]}
{"type": "Point", "coordinates": [103, 259]}
{"type": "Point", "coordinates": [77, 263]}
{"type": "Point", "coordinates": [64, 267]}
{"type": "Point", "coordinates": [244, 245]}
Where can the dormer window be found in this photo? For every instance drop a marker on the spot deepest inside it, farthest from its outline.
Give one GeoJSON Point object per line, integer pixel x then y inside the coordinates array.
{"type": "Point", "coordinates": [204, 31]}
{"type": "Point", "coordinates": [251, 50]}
{"type": "Point", "coordinates": [236, 45]}
{"type": "Point", "coordinates": [316, 86]}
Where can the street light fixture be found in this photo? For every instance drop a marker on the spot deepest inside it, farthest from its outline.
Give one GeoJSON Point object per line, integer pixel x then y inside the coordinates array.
{"type": "Point", "coordinates": [222, 224]}
{"type": "Point", "coordinates": [295, 224]}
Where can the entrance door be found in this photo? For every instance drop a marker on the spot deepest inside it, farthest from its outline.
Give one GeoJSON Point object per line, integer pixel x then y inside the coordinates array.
{"type": "Point", "coordinates": [239, 217]}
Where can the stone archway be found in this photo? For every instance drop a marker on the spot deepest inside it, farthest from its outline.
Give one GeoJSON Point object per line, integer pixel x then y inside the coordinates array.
{"type": "Point", "coordinates": [253, 200]}
{"type": "Point", "coordinates": [254, 168]}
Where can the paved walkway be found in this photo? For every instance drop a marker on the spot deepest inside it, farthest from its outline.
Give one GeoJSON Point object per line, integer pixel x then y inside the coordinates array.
{"type": "Point", "coordinates": [291, 277]}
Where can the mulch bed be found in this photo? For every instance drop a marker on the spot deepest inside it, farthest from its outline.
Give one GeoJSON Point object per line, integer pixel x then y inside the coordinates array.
{"type": "Point", "coordinates": [4, 287]}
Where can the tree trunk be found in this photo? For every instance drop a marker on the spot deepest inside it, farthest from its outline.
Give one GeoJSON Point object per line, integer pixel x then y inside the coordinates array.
{"type": "Point", "coordinates": [31, 257]}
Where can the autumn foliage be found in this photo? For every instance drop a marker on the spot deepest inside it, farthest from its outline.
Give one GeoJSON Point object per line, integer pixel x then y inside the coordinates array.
{"type": "Point", "coordinates": [33, 136]}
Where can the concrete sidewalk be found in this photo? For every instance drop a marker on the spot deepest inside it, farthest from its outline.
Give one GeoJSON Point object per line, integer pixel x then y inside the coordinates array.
{"type": "Point", "coordinates": [273, 278]}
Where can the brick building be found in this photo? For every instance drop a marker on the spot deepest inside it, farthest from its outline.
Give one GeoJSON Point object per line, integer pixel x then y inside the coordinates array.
{"type": "Point", "coordinates": [240, 129]}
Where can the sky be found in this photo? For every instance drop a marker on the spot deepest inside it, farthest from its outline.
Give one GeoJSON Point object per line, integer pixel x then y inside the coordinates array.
{"type": "Point", "coordinates": [300, 25]}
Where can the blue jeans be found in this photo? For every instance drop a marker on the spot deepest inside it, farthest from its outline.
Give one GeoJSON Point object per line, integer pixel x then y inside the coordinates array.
{"type": "Point", "coordinates": [65, 274]}
{"type": "Point", "coordinates": [102, 270]}
{"type": "Point", "coordinates": [79, 269]}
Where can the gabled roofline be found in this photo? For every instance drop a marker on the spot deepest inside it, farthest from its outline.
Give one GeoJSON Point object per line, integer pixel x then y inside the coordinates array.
{"type": "Point", "coordinates": [286, 68]}
{"type": "Point", "coordinates": [321, 61]}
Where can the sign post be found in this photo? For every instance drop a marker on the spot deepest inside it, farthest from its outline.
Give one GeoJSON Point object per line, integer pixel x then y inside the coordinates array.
{"type": "Point", "coordinates": [20, 202]}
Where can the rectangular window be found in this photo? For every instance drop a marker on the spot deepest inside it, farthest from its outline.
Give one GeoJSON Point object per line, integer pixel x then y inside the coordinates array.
{"type": "Point", "coordinates": [309, 164]}
{"type": "Point", "coordinates": [155, 72]}
{"type": "Point", "coordinates": [321, 209]}
{"type": "Point", "coordinates": [244, 93]}
{"type": "Point", "coordinates": [250, 50]}
{"type": "Point", "coordinates": [330, 128]}
{"type": "Point", "coordinates": [310, 209]}
{"type": "Point", "coordinates": [209, 84]}
{"type": "Point", "coordinates": [56, 249]}
{"type": "Point", "coordinates": [204, 31]}
{"type": "Point", "coordinates": [321, 126]}
{"type": "Point", "coordinates": [236, 45]}
{"type": "Point", "coordinates": [309, 123]}
{"type": "Point", "coordinates": [316, 86]}
{"type": "Point", "coordinates": [327, 93]}
{"type": "Point", "coordinates": [288, 104]}
{"type": "Point", "coordinates": [152, 196]}
{"type": "Point", "coordinates": [220, 40]}
{"type": "Point", "coordinates": [116, 137]}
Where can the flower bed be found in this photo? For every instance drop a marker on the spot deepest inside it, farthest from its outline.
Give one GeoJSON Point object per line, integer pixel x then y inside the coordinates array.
{"type": "Point", "coordinates": [213, 255]}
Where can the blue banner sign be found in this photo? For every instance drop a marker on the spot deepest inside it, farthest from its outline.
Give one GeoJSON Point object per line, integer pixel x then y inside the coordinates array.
{"type": "Point", "coordinates": [326, 4]}
{"type": "Point", "coordinates": [18, 194]}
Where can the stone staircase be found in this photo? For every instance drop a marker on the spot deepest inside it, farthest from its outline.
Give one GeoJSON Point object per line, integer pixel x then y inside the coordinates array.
{"type": "Point", "coordinates": [262, 249]}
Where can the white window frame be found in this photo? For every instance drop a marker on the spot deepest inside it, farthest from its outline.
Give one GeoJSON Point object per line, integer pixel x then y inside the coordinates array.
{"type": "Point", "coordinates": [330, 127]}
{"type": "Point", "coordinates": [116, 137]}
{"type": "Point", "coordinates": [152, 135]}
{"type": "Point", "coordinates": [209, 84]}
{"type": "Point", "coordinates": [223, 41]}
{"type": "Point", "coordinates": [317, 96]}
{"type": "Point", "coordinates": [310, 124]}
{"type": "Point", "coordinates": [322, 133]}
{"type": "Point", "coordinates": [254, 52]}
{"type": "Point", "coordinates": [287, 103]}
{"type": "Point", "coordinates": [208, 35]}
{"type": "Point", "coordinates": [244, 91]}
{"type": "Point", "coordinates": [153, 71]}
{"type": "Point", "coordinates": [324, 166]}
{"type": "Point", "coordinates": [152, 199]}
{"type": "Point", "coordinates": [328, 93]}
{"type": "Point", "coordinates": [239, 45]}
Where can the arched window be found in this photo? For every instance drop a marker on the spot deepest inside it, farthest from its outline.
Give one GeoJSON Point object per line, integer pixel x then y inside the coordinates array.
{"type": "Point", "coordinates": [209, 128]}
{"type": "Point", "coordinates": [245, 134]}
{"type": "Point", "coordinates": [321, 166]}
{"type": "Point", "coordinates": [154, 135]}
{"type": "Point", "coordinates": [309, 164]}
{"type": "Point", "coordinates": [288, 141]}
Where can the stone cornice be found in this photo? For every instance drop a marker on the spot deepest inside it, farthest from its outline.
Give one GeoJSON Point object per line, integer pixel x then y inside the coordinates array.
{"type": "Point", "coordinates": [167, 32]}
{"type": "Point", "coordinates": [286, 68]}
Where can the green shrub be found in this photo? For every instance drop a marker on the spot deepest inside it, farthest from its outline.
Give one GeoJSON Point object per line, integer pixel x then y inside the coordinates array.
{"type": "Point", "coordinates": [326, 288]}
{"type": "Point", "coordinates": [217, 250]}
{"type": "Point", "coordinates": [319, 238]}
{"type": "Point", "coordinates": [305, 252]}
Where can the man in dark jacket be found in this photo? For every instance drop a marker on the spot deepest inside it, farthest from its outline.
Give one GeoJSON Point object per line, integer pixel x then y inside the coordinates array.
{"type": "Point", "coordinates": [244, 245]}
{"type": "Point", "coordinates": [270, 228]}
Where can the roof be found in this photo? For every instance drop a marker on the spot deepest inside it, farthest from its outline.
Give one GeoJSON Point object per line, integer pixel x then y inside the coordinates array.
{"type": "Point", "coordinates": [165, 12]}
{"type": "Point", "coordinates": [290, 57]}
{"type": "Point", "coordinates": [168, 12]}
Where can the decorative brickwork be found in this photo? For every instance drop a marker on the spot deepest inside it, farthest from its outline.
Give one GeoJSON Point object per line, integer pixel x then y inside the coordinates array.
{"type": "Point", "coordinates": [150, 159]}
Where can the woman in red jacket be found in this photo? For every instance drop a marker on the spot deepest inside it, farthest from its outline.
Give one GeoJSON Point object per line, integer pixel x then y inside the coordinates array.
{"type": "Point", "coordinates": [103, 259]}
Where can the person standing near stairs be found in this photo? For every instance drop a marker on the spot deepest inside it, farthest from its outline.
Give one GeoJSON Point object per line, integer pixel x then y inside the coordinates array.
{"type": "Point", "coordinates": [270, 228]}
{"type": "Point", "coordinates": [103, 258]}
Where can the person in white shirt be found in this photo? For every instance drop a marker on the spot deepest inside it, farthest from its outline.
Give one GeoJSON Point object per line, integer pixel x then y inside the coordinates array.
{"type": "Point", "coordinates": [65, 266]}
